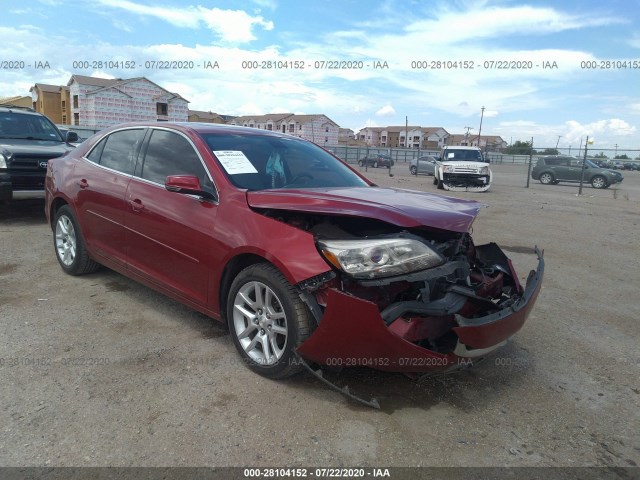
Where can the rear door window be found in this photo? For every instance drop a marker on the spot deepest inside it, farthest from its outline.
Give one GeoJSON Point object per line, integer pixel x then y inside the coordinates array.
{"type": "Point", "coordinates": [119, 150]}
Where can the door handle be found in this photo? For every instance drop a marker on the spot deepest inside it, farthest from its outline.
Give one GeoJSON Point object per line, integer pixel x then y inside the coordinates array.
{"type": "Point", "coordinates": [83, 183]}
{"type": "Point", "coordinates": [136, 205]}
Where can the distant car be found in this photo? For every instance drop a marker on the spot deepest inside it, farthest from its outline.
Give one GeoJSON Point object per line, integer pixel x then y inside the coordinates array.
{"type": "Point", "coordinates": [425, 165]}
{"type": "Point", "coordinates": [376, 160]}
{"type": "Point", "coordinates": [462, 168]}
{"type": "Point", "coordinates": [617, 166]}
{"type": "Point", "coordinates": [554, 169]}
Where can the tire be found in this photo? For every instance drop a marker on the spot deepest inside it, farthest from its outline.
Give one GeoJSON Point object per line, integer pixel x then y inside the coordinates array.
{"type": "Point", "coordinates": [546, 178]}
{"type": "Point", "coordinates": [440, 184]}
{"type": "Point", "coordinates": [413, 170]}
{"type": "Point", "coordinates": [435, 180]}
{"type": "Point", "coordinates": [599, 182]}
{"type": "Point", "coordinates": [375, 164]}
{"type": "Point", "coordinates": [69, 245]}
{"type": "Point", "coordinates": [360, 163]}
{"type": "Point", "coordinates": [261, 299]}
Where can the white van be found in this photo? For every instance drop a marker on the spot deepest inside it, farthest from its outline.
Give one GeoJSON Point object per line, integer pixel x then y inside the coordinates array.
{"type": "Point", "coordinates": [462, 169]}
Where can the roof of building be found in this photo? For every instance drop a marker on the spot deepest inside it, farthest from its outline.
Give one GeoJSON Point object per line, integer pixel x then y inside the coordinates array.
{"type": "Point", "coordinates": [95, 81]}
{"type": "Point", "coordinates": [202, 114]}
{"type": "Point", "coordinates": [45, 87]}
{"type": "Point", "coordinates": [274, 117]}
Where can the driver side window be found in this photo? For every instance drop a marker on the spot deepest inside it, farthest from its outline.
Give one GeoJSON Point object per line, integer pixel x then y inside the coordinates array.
{"type": "Point", "coordinates": [169, 153]}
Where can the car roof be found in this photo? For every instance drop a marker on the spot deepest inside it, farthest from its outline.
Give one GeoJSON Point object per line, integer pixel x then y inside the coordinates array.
{"type": "Point", "coordinates": [459, 147]}
{"type": "Point", "coordinates": [17, 109]}
{"type": "Point", "coordinates": [204, 128]}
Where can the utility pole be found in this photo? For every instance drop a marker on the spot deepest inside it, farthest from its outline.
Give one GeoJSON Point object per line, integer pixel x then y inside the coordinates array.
{"type": "Point", "coordinates": [559, 137]}
{"type": "Point", "coordinates": [406, 133]}
{"type": "Point", "coordinates": [616, 154]}
{"type": "Point", "coordinates": [480, 130]}
{"type": "Point", "coordinates": [466, 135]}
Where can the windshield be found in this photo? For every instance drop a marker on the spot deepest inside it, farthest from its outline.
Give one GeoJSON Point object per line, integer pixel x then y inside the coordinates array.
{"type": "Point", "coordinates": [258, 162]}
{"type": "Point", "coordinates": [457, 155]}
{"type": "Point", "coordinates": [28, 127]}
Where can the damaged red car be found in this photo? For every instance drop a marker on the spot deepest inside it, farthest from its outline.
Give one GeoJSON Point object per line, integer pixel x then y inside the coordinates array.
{"type": "Point", "coordinates": [306, 260]}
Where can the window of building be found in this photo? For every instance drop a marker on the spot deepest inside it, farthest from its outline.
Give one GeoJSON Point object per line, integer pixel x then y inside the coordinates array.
{"type": "Point", "coordinates": [64, 119]}
{"type": "Point", "coordinates": [269, 126]}
{"type": "Point", "coordinates": [326, 139]}
{"type": "Point", "coordinates": [326, 129]}
{"type": "Point", "coordinates": [300, 127]}
{"type": "Point", "coordinates": [292, 128]}
{"type": "Point", "coordinates": [75, 101]}
{"type": "Point", "coordinates": [162, 108]}
{"type": "Point", "coordinates": [76, 119]}
{"type": "Point", "coordinates": [64, 106]}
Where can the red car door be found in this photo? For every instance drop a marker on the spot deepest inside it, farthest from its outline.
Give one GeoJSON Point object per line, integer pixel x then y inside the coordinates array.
{"type": "Point", "coordinates": [169, 235]}
{"type": "Point", "coordinates": [102, 179]}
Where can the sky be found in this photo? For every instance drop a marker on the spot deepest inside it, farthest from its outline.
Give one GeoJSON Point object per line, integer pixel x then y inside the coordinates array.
{"type": "Point", "coordinates": [557, 71]}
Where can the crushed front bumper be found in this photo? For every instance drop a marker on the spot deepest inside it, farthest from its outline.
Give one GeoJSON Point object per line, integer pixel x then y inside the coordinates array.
{"type": "Point", "coordinates": [466, 182]}
{"type": "Point", "coordinates": [352, 333]}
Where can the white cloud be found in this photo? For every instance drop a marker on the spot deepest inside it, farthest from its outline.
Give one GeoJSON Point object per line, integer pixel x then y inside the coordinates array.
{"type": "Point", "coordinates": [386, 111]}
{"type": "Point", "coordinates": [233, 26]}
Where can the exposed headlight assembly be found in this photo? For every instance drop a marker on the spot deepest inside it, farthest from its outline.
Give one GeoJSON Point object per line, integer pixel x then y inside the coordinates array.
{"type": "Point", "coordinates": [447, 169]}
{"type": "Point", "coordinates": [379, 258]}
{"type": "Point", "coordinates": [484, 171]}
{"type": "Point", "coordinates": [3, 161]}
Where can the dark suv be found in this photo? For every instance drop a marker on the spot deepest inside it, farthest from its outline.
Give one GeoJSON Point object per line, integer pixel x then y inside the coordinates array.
{"type": "Point", "coordinates": [27, 141]}
{"type": "Point", "coordinates": [554, 169]}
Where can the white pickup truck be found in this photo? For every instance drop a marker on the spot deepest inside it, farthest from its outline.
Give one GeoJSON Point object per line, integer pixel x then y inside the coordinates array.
{"type": "Point", "coordinates": [462, 169]}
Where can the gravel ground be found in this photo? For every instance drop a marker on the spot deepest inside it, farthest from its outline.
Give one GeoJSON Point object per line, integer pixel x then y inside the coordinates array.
{"type": "Point", "coordinates": [102, 371]}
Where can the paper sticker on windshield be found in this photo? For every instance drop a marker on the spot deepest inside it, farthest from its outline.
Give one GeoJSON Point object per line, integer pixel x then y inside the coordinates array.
{"type": "Point", "coordinates": [234, 161]}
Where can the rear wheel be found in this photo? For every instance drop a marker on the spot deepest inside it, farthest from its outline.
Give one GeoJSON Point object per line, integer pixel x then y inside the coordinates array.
{"type": "Point", "coordinates": [375, 164]}
{"type": "Point", "coordinates": [69, 244]}
{"type": "Point", "coordinates": [268, 321]}
{"type": "Point", "coordinates": [360, 163]}
{"type": "Point", "coordinates": [598, 182]}
{"type": "Point", "coordinates": [413, 170]}
{"type": "Point", "coordinates": [546, 178]}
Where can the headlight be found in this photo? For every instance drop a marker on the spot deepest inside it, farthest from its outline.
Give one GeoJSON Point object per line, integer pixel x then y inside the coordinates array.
{"type": "Point", "coordinates": [447, 169]}
{"type": "Point", "coordinates": [484, 171]}
{"type": "Point", "coordinates": [379, 258]}
{"type": "Point", "coordinates": [3, 161]}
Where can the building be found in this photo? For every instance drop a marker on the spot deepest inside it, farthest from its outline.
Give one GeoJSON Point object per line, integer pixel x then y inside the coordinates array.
{"type": "Point", "coordinates": [205, 117]}
{"type": "Point", "coordinates": [317, 128]}
{"type": "Point", "coordinates": [100, 102]}
{"type": "Point", "coordinates": [493, 143]}
{"type": "Point", "coordinates": [45, 99]}
{"type": "Point", "coordinates": [370, 136]}
{"type": "Point", "coordinates": [18, 101]}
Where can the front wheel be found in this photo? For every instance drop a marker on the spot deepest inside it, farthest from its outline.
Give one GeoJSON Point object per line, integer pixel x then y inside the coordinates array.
{"type": "Point", "coordinates": [598, 182]}
{"type": "Point", "coordinates": [268, 321]}
{"type": "Point", "coordinates": [69, 244]}
{"type": "Point", "coordinates": [375, 164]}
{"type": "Point", "coordinates": [360, 163]}
{"type": "Point", "coordinates": [413, 170]}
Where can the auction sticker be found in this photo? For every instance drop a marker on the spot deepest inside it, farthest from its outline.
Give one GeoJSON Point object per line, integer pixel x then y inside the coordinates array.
{"type": "Point", "coordinates": [234, 161]}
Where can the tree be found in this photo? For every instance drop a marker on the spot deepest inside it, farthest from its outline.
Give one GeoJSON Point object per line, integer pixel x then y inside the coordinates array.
{"type": "Point", "coordinates": [600, 155]}
{"type": "Point", "coordinates": [549, 151]}
{"type": "Point", "coordinates": [519, 148]}
{"type": "Point", "coordinates": [622, 157]}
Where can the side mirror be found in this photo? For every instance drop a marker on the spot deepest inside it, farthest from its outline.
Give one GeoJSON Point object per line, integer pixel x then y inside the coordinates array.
{"type": "Point", "coordinates": [72, 137]}
{"type": "Point", "coordinates": [186, 184]}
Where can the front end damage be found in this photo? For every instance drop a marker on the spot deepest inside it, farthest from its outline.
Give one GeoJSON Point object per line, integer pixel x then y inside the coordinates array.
{"type": "Point", "coordinates": [467, 177]}
{"type": "Point", "coordinates": [468, 303]}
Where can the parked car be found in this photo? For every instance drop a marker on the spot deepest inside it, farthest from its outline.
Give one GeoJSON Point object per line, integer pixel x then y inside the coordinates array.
{"type": "Point", "coordinates": [553, 169]}
{"type": "Point", "coordinates": [304, 258]}
{"type": "Point", "coordinates": [617, 166]}
{"type": "Point", "coordinates": [27, 141]}
{"type": "Point", "coordinates": [425, 164]}
{"type": "Point", "coordinates": [461, 168]}
{"type": "Point", "coordinates": [376, 160]}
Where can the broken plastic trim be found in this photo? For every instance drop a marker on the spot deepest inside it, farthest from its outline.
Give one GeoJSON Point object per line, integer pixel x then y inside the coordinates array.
{"type": "Point", "coordinates": [373, 403]}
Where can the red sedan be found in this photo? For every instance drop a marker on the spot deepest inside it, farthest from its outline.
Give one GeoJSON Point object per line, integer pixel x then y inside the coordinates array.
{"type": "Point", "coordinates": [304, 258]}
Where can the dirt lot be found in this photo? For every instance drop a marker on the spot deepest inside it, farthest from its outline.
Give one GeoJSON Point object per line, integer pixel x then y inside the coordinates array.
{"type": "Point", "coordinates": [99, 370]}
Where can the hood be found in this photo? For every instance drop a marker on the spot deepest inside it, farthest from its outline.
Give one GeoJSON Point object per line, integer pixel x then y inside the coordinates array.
{"type": "Point", "coordinates": [405, 208]}
{"type": "Point", "coordinates": [464, 163]}
{"type": "Point", "coordinates": [35, 147]}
